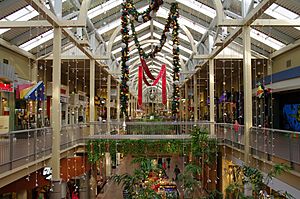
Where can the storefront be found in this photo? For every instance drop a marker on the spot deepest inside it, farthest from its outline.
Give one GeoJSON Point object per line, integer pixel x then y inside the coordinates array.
{"type": "Point", "coordinates": [30, 105]}
{"type": "Point", "coordinates": [64, 102]}
{"type": "Point", "coordinates": [7, 98]}
{"type": "Point", "coordinates": [78, 108]}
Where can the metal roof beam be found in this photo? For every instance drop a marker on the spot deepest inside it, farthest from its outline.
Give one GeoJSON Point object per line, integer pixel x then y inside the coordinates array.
{"type": "Point", "coordinates": [16, 49]}
{"type": "Point", "coordinates": [264, 22]}
{"type": "Point", "coordinates": [37, 5]}
{"type": "Point", "coordinates": [36, 23]}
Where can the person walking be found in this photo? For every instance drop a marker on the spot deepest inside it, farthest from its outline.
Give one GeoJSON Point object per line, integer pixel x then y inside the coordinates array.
{"type": "Point", "coordinates": [169, 162]}
{"type": "Point", "coordinates": [236, 128]}
{"type": "Point", "coordinates": [176, 171]}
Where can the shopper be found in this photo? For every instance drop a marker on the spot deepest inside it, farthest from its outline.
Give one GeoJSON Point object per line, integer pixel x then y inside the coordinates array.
{"type": "Point", "coordinates": [176, 171]}
{"type": "Point", "coordinates": [236, 128]}
{"type": "Point", "coordinates": [169, 162]}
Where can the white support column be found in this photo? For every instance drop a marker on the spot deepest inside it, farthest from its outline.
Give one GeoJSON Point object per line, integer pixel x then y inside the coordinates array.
{"type": "Point", "coordinates": [247, 90]}
{"type": "Point", "coordinates": [56, 114]}
{"type": "Point", "coordinates": [92, 96]}
{"type": "Point", "coordinates": [118, 102]}
{"type": "Point", "coordinates": [246, 7]}
{"type": "Point", "coordinates": [108, 102]}
{"type": "Point", "coordinates": [186, 102]}
{"type": "Point", "coordinates": [196, 100]}
{"type": "Point", "coordinates": [132, 106]}
{"type": "Point", "coordinates": [58, 8]}
{"type": "Point", "coordinates": [212, 96]}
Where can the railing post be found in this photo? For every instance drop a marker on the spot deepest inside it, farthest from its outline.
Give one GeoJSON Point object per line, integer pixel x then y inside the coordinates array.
{"type": "Point", "coordinates": [291, 151]}
{"type": "Point", "coordinates": [211, 97]}
{"type": "Point", "coordinates": [35, 144]}
{"type": "Point", "coordinates": [11, 150]}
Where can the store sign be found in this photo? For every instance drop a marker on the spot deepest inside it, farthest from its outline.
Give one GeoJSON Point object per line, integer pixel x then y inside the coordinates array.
{"type": "Point", "coordinates": [6, 87]}
{"type": "Point", "coordinates": [4, 124]}
{"type": "Point", "coordinates": [47, 172]}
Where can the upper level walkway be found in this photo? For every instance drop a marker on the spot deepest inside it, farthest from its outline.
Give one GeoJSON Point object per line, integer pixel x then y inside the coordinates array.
{"type": "Point", "coordinates": [22, 149]}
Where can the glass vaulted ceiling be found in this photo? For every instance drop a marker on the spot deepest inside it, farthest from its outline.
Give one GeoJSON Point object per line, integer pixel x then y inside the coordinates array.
{"type": "Point", "coordinates": [275, 11]}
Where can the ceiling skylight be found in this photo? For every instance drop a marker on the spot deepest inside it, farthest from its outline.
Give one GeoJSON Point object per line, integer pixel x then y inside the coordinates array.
{"type": "Point", "coordinates": [23, 14]}
{"type": "Point", "coordinates": [103, 8]}
{"type": "Point", "coordinates": [37, 41]}
{"type": "Point", "coordinates": [279, 12]}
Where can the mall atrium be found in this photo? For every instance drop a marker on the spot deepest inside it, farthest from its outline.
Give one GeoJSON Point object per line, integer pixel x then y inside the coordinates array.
{"type": "Point", "coordinates": [149, 99]}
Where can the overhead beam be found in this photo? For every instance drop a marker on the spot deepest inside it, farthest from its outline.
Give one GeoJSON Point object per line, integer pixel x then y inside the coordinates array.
{"type": "Point", "coordinates": [51, 17]}
{"type": "Point", "coordinates": [263, 22]}
{"type": "Point", "coordinates": [16, 49]}
{"type": "Point", "coordinates": [38, 23]}
{"type": "Point", "coordinates": [83, 11]}
{"type": "Point", "coordinates": [286, 49]}
{"type": "Point", "coordinates": [247, 21]}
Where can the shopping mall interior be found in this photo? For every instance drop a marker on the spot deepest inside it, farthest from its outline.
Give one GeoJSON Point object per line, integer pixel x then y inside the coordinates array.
{"type": "Point", "coordinates": [152, 99]}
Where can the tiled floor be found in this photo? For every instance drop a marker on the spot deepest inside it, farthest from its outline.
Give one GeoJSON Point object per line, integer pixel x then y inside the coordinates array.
{"type": "Point", "coordinates": [114, 191]}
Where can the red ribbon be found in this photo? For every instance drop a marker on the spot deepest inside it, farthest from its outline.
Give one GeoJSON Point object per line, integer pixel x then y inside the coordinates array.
{"type": "Point", "coordinates": [164, 86]}
{"type": "Point", "coordinates": [140, 86]}
{"type": "Point", "coordinates": [145, 67]}
{"type": "Point", "coordinates": [162, 75]}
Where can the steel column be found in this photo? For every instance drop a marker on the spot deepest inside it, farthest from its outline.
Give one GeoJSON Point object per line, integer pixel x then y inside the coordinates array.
{"type": "Point", "coordinates": [247, 78]}
{"type": "Point", "coordinates": [55, 113]}
{"type": "Point", "coordinates": [108, 104]}
{"type": "Point", "coordinates": [92, 95]}
{"type": "Point", "coordinates": [196, 100]}
{"type": "Point", "coordinates": [212, 96]}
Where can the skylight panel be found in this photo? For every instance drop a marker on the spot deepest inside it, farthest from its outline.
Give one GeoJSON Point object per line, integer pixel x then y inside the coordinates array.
{"type": "Point", "coordinates": [200, 7]}
{"type": "Point", "coordinates": [259, 36]}
{"type": "Point", "coordinates": [103, 8]}
{"type": "Point", "coordinates": [183, 20]}
{"type": "Point", "coordinates": [280, 12]}
{"type": "Point", "coordinates": [37, 41]}
{"type": "Point", "coordinates": [23, 14]}
{"type": "Point", "coordinates": [109, 26]}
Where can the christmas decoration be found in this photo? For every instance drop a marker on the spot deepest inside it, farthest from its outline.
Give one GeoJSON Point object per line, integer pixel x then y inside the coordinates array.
{"type": "Point", "coordinates": [131, 15]}
{"type": "Point", "coordinates": [176, 63]}
{"type": "Point", "coordinates": [262, 91]}
{"type": "Point", "coordinates": [124, 88]}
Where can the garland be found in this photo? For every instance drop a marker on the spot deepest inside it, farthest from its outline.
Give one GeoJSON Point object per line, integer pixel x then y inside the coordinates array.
{"type": "Point", "coordinates": [124, 88]}
{"type": "Point", "coordinates": [143, 16]}
{"type": "Point", "coordinates": [129, 14]}
{"type": "Point", "coordinates": [176, 63]}
{"type": "Point", "coordinates": [162, 40]}
{"type": "Point", "coordinates": [97, 148]}
{"type": "Point", "coordinates": [129, 9]}
{"type": "Point", "coordinates": [199, 144]}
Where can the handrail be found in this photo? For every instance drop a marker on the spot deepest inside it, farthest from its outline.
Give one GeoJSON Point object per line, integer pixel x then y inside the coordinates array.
{"type": "Point", "coordinates": [27, 130]}
{"type": "Point", "coordinates": [277, 130]}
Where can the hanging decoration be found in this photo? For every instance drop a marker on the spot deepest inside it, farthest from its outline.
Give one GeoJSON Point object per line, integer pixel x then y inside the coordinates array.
{"type": "Point", "coordinates": [129, 15]}
{"type": "Point", "coordinates": [162, 75]}
{"type": "Point", "coordinates": [176, 63]}
{"type": "Point", "coordinates": [162, 41]}
{"type": "Point", "coordinates": [124, 88]}
{"type": "Point", "coordinates": [140, 86]}
{"type": "Point", "coordinates": [262, 91]}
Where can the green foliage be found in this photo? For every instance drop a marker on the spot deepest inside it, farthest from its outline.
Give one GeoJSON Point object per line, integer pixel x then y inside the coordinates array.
{"type": "Point", "coordinates": [134, 183]}
{"type": "Point", "coordinates": [188, 178]}
{"type": "Point", "coordinates": [253, 176]}
{"type": "Point", "coordinates": [203, 146]}
{"type": "Point", "coordinates": [135, 147]}
{"type": "Point", "coordinates": [215, 194]}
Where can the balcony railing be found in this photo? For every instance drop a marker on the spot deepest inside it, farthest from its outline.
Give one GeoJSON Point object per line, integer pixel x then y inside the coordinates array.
{"type": "Point", "coordinates": [18, 148]}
